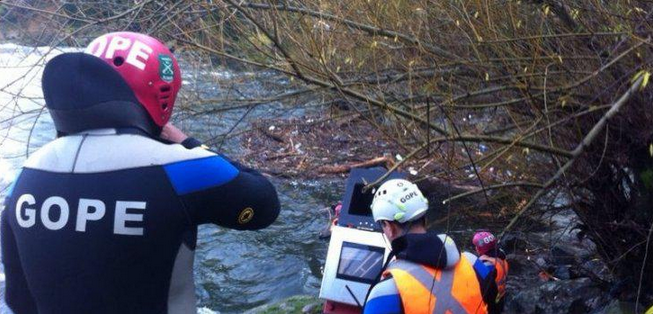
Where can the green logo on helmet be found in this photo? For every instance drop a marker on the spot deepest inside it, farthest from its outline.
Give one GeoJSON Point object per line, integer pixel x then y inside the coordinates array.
{"type": "Point", "coordinates": [166, 68]}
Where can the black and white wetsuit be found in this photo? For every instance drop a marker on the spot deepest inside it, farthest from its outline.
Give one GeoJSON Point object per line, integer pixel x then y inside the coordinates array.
{"type": "Point", "coordinates": [101, 222]}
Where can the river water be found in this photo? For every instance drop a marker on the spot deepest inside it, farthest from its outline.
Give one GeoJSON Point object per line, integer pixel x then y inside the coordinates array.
{"type": "Point", "coordinates": [234, 271]}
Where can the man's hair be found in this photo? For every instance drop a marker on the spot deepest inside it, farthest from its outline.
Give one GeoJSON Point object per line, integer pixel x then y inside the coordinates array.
{"type": "Point", "coordinates": [408, 225]}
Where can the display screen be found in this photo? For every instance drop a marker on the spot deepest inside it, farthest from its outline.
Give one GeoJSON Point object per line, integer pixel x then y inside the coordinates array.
{"type": "Point", "coordinates": [360, 263]}
{"type": "Point", "coordinates": [361, 203]}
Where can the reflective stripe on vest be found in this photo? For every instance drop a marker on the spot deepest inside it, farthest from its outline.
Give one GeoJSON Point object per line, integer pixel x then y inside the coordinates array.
{"type": "Point", "coordinates": [501, 266]}
{"type": "Point", "coordinates": [425, 290]}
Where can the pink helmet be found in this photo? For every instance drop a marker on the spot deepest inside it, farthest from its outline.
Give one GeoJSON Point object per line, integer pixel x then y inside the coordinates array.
{"type": "Point", "coordinates": [147, 66]}
{"type": "Point", "coordinates": [484, 242]}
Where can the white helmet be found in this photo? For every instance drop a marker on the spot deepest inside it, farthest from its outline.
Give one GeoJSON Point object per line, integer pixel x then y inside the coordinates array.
{"type": "Point", "coordinates": [399, 200]}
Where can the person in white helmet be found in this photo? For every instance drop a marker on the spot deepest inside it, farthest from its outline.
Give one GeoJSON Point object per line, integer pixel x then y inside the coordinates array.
{"type": "Point", "coordinates": [427, 274]}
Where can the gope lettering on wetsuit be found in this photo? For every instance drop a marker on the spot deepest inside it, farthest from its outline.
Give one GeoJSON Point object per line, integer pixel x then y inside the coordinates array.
{"type": "Point", "coordinates": [104, 219]}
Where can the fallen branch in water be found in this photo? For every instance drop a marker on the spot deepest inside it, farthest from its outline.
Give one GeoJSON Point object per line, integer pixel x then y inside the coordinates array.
{"type": "Point", "coordinates": [282, 155]}
{"type": "Point", "coordinates": [385, 161]}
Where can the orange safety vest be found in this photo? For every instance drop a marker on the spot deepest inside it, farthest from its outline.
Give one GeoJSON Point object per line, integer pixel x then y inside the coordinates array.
{"type": "Point", "coordinates": [501, 266]}
{"type": "Point", "coordinates": [425, 290]}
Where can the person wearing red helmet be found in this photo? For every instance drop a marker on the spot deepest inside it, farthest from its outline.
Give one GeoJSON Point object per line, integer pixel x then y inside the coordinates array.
{"type": "Point", "coordinates": [104, 218]}
{"type": "Point", "coordinates": [148, 67]}
{"type": "Point", "coordinates": [492, 256]}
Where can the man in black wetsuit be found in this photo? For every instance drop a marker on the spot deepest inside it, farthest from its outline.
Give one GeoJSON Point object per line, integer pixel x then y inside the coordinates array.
{"type": "Point", "coordinates": [104, 218]}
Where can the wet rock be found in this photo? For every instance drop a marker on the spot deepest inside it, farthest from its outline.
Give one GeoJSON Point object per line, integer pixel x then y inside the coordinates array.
{"type": "Point", "coordinates": [313, 308]}
{"type": "Point", "coordinates": [518, 263]}
{"type": "Point", "coordinates": [561, 256]}
{"type": "Point", "coordinates": [562, 272]}
{"type": "Point", "coordinates": [596, 267]}
{"type": "Point", "coordinates": [621, 307]}
{"type": "Point", "coordinates": [578, 306]}
{"type": "Point", "coordinates": [512, 242]}
{"type": "Point", "coordinates": [553, 297]}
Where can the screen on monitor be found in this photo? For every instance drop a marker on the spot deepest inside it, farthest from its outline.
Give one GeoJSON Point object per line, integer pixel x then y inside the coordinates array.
{"type": "Point", "coordinates": [361, 202]}
{"type": "Point", "coordinates": [360, 263]}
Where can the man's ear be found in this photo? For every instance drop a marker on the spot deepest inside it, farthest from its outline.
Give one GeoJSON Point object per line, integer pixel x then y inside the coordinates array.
{"type": "Point", "coordinates": [395, 229]}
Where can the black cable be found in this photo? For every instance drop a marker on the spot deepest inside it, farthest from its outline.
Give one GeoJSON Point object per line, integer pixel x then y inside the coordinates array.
{"type": "Point", "coordinates": [377, 279]}
{"type": "Point", "coordinates": [354, 297]}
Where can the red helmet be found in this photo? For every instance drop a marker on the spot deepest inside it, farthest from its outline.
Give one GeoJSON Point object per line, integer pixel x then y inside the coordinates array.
{"type": "Point", "coordinates": [484, 242]}
{"type": "Point", "coordinates": [148, 67]}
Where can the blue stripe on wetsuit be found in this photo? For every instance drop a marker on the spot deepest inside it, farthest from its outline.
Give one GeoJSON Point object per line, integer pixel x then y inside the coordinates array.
{"type": "Point", "coordinates": [199, 174]}
{"type": "Point", "coordinates": [386, 304]}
